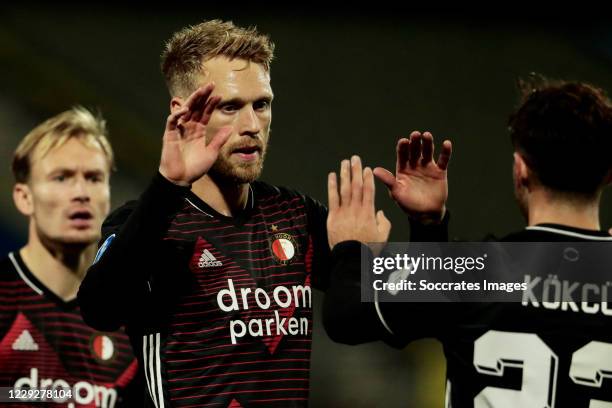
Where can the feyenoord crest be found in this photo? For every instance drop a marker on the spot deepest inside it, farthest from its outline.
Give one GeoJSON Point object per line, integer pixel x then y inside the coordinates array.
{"type": "Point", "coordinates": [283, 247]}
{"type": "Point", "coordinates": [102, 348]}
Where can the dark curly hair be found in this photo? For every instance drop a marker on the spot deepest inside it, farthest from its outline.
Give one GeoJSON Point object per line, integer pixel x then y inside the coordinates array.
{"type": "Point", "coordinates": [563, 130]}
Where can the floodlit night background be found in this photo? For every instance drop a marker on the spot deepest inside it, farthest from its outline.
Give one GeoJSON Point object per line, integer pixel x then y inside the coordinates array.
{"type": "Point", "coordinates": [344, 83]}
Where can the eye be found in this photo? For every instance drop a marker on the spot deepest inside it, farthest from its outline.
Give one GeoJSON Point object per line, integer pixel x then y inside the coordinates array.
{"type": "Point", "coordinates": [60, 178]}
{"type": "Point", "coordinates": [229, 108]}
{"type": "Point", "coordinates": [261, 105]}
{"type": "Point", "coordinates": [95, 178]}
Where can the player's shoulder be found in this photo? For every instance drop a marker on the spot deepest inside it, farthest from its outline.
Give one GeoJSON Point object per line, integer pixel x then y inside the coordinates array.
{"type": "Point", "coordinates": [5, 263]}
{"type": "Point", "coordinates": [8, 271]}
{"type": "Point", "coordinates": [119, 215]}
{"type": "Point", "coordinates": [556, 233]}
{"type": "Point", "coordinates": [515, 236]}
{"type": "Point", "coordinates": [283, 196]}
{"type": "Point", "coordinates": [265, 190]}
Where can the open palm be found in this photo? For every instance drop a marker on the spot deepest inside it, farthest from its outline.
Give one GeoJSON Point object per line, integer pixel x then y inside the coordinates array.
{"type": "Point", "coordinates": [186, 153]}
{"type": "Point", "coordinates": [420, 185]}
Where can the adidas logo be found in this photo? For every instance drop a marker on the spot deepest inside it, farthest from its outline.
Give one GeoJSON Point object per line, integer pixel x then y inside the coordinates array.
{"type": "Point", "coordinates": [208, 260]}
{"type": "Point", "coordinates": [25, 342]}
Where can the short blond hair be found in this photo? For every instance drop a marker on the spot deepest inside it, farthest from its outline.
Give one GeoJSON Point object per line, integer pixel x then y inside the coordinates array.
{"type": "Point", "coordinates": [184, 53]}
{"type": "Point", "coordinates": [77, 122]}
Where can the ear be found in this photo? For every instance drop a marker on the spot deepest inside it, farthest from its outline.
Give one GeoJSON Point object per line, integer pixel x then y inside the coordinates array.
{"type": "Point", "coordinates": [176, 103]}
{"type": "Point", "coordinates": [521, 171]}
{"type": "Point", "coordinates": [22, 196]}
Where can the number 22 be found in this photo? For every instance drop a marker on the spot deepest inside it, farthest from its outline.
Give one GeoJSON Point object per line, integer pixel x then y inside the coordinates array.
{"type": "Point", "coordinates": [590, 365]}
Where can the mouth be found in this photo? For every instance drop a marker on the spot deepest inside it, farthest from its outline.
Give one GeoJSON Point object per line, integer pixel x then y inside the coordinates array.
{"type": "Point", "coordinates": [247, 153]}
{"type": "Point", "coordinates": [81, 215]}
{"type": "Point", "coordinates": [80, 218]}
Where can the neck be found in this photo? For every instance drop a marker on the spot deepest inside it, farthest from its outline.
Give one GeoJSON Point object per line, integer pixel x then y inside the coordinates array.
{"type": "Point", "coordinates": [59, 269]}
{"type": "Point", "coordinates": [226, 199]}
{"type": "Point", "coordinates": [546, 208]}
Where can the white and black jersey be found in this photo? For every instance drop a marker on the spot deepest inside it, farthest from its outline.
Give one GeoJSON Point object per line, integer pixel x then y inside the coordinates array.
{"type": "Point", "coordinates": [498, 354]}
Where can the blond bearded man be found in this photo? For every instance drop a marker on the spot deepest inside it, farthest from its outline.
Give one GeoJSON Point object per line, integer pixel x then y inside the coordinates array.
{"type": "Point", "coordinates": [217, 267]}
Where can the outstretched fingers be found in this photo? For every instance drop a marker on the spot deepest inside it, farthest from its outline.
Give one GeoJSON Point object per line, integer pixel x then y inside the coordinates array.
{"type": "Point", "coordinates": [445, 154]}
{"type": "Point", "coordinates": [428, 148]}
{"type": "Point", "coordinates": [415, 149]}
{"type": "Point", "coordinates": [369, 190]}
{"type": "Point", "coordinates": [209, 108]}
{"type": "Point", "coordinates": [345, 183]}
{"type": "Point", "coordinates": [356, 181]}
{"type": "Point", "coordinates": [403, 146]}
{"type": "Point", "coordinates": [385, 176]}
{"type": "Point", "coordinates": [197, 101]}
{"type": "Point", "coordinates": [173, 118]}
{"type": "Point", "coordinates": [384, 226]}
{"type": "Point", "coordinates": [220, 138]}
{"type": "Point", "coordinates": [333, 200]}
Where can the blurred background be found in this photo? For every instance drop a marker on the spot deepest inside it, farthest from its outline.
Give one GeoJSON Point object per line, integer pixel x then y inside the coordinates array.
{"type": "Point", "coordinates": [346, 81]}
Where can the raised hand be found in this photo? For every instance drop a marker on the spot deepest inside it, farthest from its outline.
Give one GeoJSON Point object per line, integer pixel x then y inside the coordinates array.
{"type": "Point", "coordinates": [420, 185]}
{"type": "Point", "coordinates": [187, 151]}
{"type": "Point", "coordinates": [352, 215]}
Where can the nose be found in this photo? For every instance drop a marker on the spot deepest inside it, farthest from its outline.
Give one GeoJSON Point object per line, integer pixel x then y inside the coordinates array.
{"type": "Point", "coordinates": [249, 124]}
{"type": "Point", "coordinates": [81, 190]}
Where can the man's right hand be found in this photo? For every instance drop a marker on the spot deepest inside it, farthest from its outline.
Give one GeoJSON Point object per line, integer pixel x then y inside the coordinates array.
{"type": "Point", "coordinates": [187, 151]}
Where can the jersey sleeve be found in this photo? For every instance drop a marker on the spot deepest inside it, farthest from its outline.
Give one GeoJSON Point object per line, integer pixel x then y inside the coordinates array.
{"type": "Point", "coordinates": [409, 321]}
{"type": "Point", "coordinates": [348, 320]}
{"type": "Point", "coordinates": [431, 232]}
{"type": "Point", "coordinates": [317, 229]}
{"type": "Point", "coordinates": [117, 287]}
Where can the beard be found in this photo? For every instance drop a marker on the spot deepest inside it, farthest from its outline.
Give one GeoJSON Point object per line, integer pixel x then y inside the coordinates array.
{"type": "Point", "coordinates": [228, 171]}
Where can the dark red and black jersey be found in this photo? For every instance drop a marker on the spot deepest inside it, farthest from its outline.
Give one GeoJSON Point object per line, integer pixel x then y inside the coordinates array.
{"type": "Point", "coordinates": [227, 320]}
{"type": "Point", "coordinates": [45, 344]}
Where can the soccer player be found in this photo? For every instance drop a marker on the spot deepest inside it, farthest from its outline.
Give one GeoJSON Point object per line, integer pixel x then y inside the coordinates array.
{"type": "Point", "coordinates": [508, 354]}
{"type": "Point", "coordinates": [62, 170]}
{"type": "Point", "coordinates": [211, 270]}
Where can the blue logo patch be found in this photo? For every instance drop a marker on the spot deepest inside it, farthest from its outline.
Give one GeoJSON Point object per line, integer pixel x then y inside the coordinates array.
{"type": "Point", "coordinates": [104, 247]}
